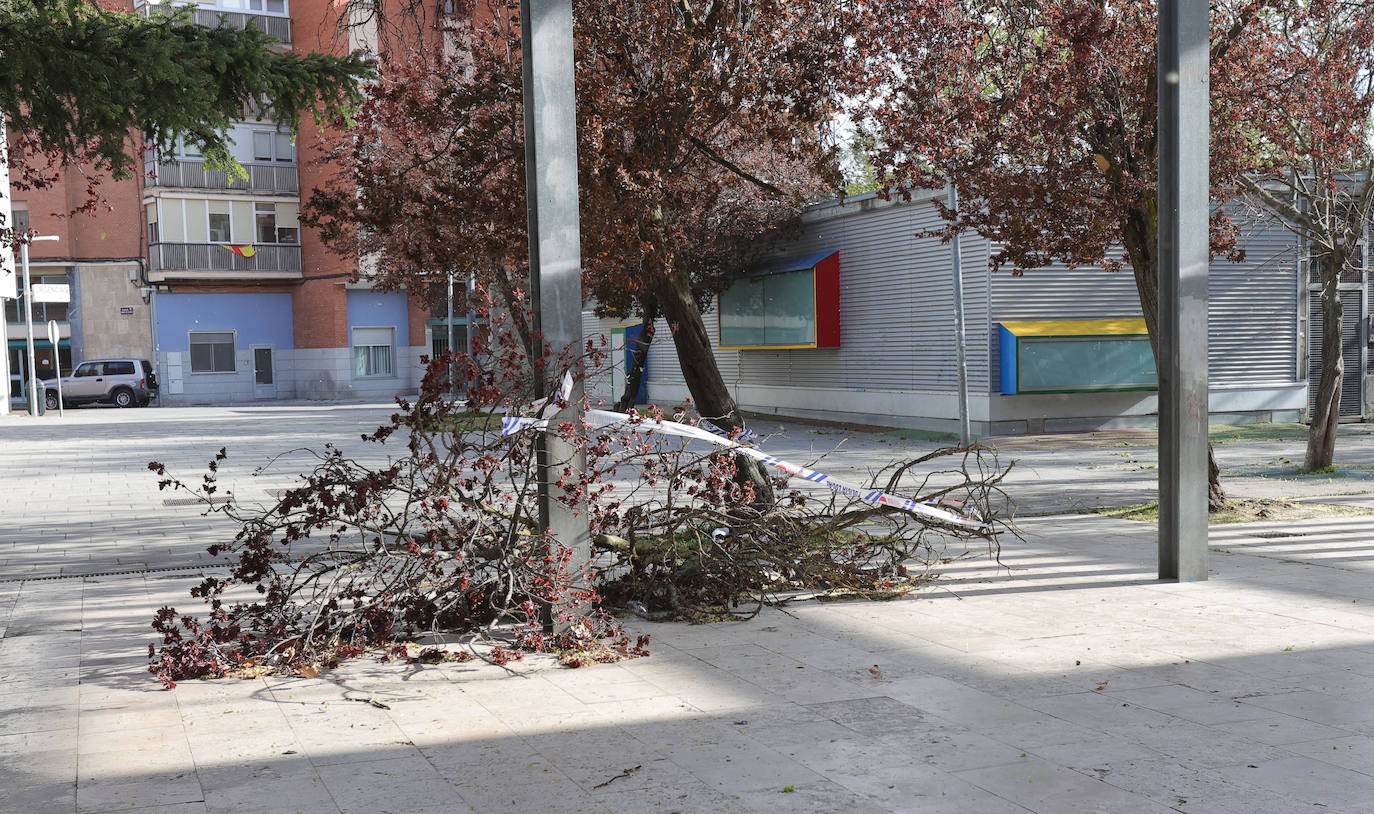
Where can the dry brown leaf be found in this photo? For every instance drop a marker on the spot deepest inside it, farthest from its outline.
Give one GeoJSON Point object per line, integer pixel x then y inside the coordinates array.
{"type": "Point", "coordinates": [1102, 686]}
{"type": "Point", "coordinates": [309, 671]}
{"type": "Point", "coordinates": [876, 671]}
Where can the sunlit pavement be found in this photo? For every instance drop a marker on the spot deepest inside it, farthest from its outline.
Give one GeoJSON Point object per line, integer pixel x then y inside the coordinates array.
{"type": "Point", "coordinates": [1064, 679]}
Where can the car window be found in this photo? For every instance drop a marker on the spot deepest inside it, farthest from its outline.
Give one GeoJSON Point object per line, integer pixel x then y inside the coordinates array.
{"type": "Point", "coordinates": [88, 369]}
{"type": "Point", "coordinates": [119, 368]}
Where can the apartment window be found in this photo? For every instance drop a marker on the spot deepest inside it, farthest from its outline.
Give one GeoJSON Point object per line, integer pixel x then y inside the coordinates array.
{"type": "Point", "coordinates": [372, 351]}
{"type": "Point", "coordinates": [21, 220]}
{"type": "Point", "coordinates": [272, 146]}
{"type": "Point", "coordinates": [212, 351]}
{"type": "Point", "coordinates": [219, 227]}
{"type": "Point", "coordinates": [152, 232]}
{"type": "Point", "coordinates": [262, 145]}
{"type": "Point", "coordinates": [272, 6]}
{"type": "Point", "coordinates": [265, 218]}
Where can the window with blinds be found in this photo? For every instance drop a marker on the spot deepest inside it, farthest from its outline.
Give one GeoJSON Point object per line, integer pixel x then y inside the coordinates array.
{"type": "Point", "coordinates": [212, 351]}
{"type": "Point", "coordinates": [372, 351]}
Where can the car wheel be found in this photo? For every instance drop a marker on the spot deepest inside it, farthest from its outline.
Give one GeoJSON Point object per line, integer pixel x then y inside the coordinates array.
{"type": "Point", "coordinates": [51, 400]}
{"type": "Point", "coordinates": [123, 397]}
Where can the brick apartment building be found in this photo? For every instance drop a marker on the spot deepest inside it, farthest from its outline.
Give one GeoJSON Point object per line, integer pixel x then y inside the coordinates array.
{"type": "Point", "coordinates": [273, 317]}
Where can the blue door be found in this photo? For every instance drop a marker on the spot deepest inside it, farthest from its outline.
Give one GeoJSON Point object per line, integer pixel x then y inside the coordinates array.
{"type": "Point", "coordinates": [632, 333]}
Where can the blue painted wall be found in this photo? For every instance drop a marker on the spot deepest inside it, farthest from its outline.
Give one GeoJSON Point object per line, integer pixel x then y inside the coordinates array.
{"type": "Point", "coordinates": [260, 319]}
{"type": "Point", "coordinates": [371, 309]}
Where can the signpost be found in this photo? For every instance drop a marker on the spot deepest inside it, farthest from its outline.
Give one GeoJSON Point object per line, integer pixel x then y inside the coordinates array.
{"type": "Point", "coordinates": [57, 361]}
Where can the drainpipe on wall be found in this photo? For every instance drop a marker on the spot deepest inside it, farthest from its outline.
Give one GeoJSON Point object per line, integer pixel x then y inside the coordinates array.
{"type": "Point", "coordinates": [149, 292]}
{"type": "Point", "coordinates": [152, 317]}
{"type": "Point", "coordinates": [8, 282]}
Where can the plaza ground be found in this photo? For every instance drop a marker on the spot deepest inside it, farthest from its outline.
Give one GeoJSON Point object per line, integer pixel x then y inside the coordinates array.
{"type": "Point", "coordinates": [1065, 679]}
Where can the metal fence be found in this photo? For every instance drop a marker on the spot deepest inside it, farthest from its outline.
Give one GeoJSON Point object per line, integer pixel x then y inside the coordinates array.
{"type": "Point", "coordinates": [273, 178]}
{"type": "Point", "coordinates": [278, 28]}
{"type": "Point", "coordinates": [215, 257]}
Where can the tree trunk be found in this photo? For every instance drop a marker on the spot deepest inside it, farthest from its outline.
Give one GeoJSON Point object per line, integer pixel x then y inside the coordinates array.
{"type": "Point", "coordinates": [634, 376]}
{"type": "Point", "coordinates": [699, 370]}
{"type": "Point", "coordinates": [1140, 236]}
{"type": "Point", "coordinates": [520, 320]}
{"type": "Point", "coordinates": [1321, 436]}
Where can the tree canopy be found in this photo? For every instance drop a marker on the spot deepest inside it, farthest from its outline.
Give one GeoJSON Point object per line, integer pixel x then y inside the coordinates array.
{"type": "Point", "coordinates": [80, 81]}
{"type": "Point", "coordinates": [1044, 116]}
{"type": "Point", "coordinates": [1307, 96]}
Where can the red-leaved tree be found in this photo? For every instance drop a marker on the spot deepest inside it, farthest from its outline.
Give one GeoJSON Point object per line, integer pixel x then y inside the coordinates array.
{"type": "Point", "coordinates": [1306, 93]}
{"type": "Point", "coordinates": [1043, 116]}
{"type": "Point", "coordinates": [702, 130]}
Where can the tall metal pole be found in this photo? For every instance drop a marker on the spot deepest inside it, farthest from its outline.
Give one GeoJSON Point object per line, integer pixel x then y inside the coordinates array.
{"type": "Point", "coordinates": [1183, 221]}
{"type": "Point", "coordinates": [960, 357]}
{"type": "Point", "coordinates": [546, 35]}
{"type": "Point", "coordinates": [28, 330]}
{"type": "Point", "coordinates": [452, 384]}
{"type": "Point", "coordinates": [472, 322]}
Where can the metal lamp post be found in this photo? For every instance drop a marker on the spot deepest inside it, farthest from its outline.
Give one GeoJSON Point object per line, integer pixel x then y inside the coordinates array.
{"type": "Point", "coordinates": [546, 34]}
{"type": "Point", "coordinates": [1183, 259]}
{"type": "Point", "coordinates": [28, 324]}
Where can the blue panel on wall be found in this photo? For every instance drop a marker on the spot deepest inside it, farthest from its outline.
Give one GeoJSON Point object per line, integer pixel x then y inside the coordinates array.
{"type": "Point", "coordinates": [259, 319]}
{"type": "Point", "coordinates": [1007, 346]}
{"type": "Point", "coordinates": [373, 309]}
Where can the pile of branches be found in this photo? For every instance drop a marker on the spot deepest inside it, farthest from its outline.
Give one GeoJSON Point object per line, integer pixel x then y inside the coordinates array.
{"type": "Point", "coordinates": [443, 540]}
{"type": "Point", "coordinates": [686, 541]}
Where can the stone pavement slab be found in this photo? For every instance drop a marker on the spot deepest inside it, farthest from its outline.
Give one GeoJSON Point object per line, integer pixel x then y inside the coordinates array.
{"type": "Point", "coordinates": [1064, 679]}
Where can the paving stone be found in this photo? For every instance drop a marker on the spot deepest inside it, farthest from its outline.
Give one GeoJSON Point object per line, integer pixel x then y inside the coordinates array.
{"type": "Point", "coordinates": [395, 786]}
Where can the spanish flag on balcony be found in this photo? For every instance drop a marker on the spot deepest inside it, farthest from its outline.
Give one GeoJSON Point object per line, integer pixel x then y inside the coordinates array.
{"type": "Point", "coordinates": [245, 250]}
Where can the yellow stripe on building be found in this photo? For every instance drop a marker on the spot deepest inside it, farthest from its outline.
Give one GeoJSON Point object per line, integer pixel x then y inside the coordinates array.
{"type": "Point", "coordinates": [1078, 327]}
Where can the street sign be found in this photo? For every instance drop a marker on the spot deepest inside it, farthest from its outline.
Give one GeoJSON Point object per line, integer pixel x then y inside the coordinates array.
{"type": "Point", "coordinates": [47, 292]}
{"type": "Point", "coordinates": [57, 363]}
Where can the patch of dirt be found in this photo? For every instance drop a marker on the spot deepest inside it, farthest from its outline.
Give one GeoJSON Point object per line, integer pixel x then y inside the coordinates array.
{"type": "Point", "coordinates": [1075, 440]}
{"type": "Point", "coordinates": [1248, 510]}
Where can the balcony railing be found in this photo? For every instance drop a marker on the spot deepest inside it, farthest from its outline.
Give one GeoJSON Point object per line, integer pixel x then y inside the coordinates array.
{"type": "Point", "coordinates": [264, 178]}
{"type": "Point", "coordinates": [278, 27]}
{"type": "Point", "coordinates": [214, 257]}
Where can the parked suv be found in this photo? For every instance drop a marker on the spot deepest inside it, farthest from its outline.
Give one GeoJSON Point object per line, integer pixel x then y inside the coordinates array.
{"type": "Point", "coordinates": [121, 382]}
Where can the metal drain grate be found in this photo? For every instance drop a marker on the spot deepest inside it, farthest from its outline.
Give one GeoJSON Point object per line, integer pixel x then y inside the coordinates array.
{"type": "Point", "coordinates": [192, 501]}
{"type": "Point", "coordinates": [1279, 535]}
{"type": "Point", "coordinates": [130, 572]}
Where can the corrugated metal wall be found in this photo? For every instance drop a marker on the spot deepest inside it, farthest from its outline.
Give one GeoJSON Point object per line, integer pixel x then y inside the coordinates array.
{"type": "Point", "coordinates": [663, 365]}
{"type": "Point", "coordinates": [1351, 404]}
{"type": "Point", "coordinates": [897, 322]}
{"type": "Point", "coordinates": [896, 311]}
{"type": "Point", "coordinates": [1252, 306]}
{"type": "Point", "coordinates": [598, 382]}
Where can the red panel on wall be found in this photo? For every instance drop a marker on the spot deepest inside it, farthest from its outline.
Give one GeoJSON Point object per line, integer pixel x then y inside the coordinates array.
{"type": "Point", "coordinates": [828, 301]}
